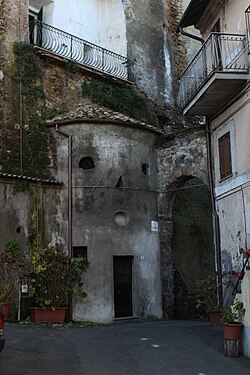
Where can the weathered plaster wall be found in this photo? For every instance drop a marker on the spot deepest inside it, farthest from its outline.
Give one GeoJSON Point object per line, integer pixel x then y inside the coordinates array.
{"type": "Point", "coordinates": [232, 194]}
{"type": "Point", "coordinates": [180, 159]}
{"type": "Point", "coordinates": [13, 209]}
{"type": "Point", "coordinates": [234, 224]}
{"type": "Point", "coordinates": [148, 45]}
{"type": "Point", "coordinates": [117, 151]}
{"type": "Point", "coordinates": [28, 216]}
{"type": "Point", "coordinates": [245, 298]}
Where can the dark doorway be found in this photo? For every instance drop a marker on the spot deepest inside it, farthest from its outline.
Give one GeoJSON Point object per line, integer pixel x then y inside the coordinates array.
{"type": "Point", "coordinates": [123, 286]}
{"type": "Point", "coordinates": [192, 245]}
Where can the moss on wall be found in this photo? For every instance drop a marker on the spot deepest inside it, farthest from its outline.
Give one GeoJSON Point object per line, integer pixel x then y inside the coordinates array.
{"type": "Point", "coordinates": [122, 99]}
{"type": "Point", "coordinates": [28, 72]}
{"type": "Point", "coordinates": [36, 224]}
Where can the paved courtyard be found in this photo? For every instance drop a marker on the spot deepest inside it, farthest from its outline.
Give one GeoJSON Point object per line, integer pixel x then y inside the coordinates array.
{"type": "Point", "coordinates": [128, 348]}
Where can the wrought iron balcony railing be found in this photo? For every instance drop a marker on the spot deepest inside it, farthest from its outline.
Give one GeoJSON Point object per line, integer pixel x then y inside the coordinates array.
{"type": "Point", "coordinates": [220, 53]}
{"type": "Point", "coordinates": [79, 50]}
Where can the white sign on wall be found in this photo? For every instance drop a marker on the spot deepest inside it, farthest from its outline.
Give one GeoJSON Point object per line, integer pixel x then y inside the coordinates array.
{"type": "Point", "coordinates": [154, 226]}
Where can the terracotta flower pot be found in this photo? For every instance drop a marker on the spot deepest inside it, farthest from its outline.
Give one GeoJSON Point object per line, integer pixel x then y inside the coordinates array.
{"type": "Point", "coordinates": [215, 318]}
{"type": "Point", "coordinates": [232, 331]}
{"type": "Point", "coordinates": [47, 315]}
{"type": "Point", "coordinates": [6, 309]}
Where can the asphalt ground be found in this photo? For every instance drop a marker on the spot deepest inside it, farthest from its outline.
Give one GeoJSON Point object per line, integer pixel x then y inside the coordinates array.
{"type": "Point", "coordinates": [124, 348]}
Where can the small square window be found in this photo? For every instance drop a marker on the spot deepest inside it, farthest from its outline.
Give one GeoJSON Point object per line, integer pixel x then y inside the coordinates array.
{"type": "Point", "coordinates": [80, 252]}
{"type": "Point", "coordinates": [225, 157]}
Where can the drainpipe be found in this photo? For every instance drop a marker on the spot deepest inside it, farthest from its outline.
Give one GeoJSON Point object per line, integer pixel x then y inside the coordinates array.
{"type": "Point", "coordinates": [215, 214]}
{"type": "Point", "coordinates": [69, 137]}
{"type": "Point", "coordinates": [192, 36]}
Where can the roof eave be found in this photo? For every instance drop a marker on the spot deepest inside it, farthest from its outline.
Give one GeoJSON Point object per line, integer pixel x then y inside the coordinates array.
{"type": "Point", "coordinates": [193, 13]}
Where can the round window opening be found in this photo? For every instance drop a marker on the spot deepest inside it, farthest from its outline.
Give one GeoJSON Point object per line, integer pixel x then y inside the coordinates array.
{"type": "Point", "coordinates": [87, 163]}
{"type": "Point", "coordinates": [121, 218]}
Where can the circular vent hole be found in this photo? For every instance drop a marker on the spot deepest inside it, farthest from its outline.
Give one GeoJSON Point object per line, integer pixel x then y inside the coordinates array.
{"type": "Point", "coordinates": [121, 218]}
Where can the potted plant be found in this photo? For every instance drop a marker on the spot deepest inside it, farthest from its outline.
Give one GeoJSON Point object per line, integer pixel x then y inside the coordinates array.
{"type": "Point", "coordinates": [13, 270]}
{"type": "Point", "coordinates": [230, 318]}
{"type": "Point", "coordinates": [207, 299]}
{"type": "Point", "coordinates": [54, 279]}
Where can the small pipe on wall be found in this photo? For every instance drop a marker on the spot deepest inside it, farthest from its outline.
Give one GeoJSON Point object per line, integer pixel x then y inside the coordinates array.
{"type": "Point", "coordinates": [216, 217]}
{"type": "Point", "coordinates": [69, 137]}
{"type": "Point", "coordinates": [70, 254]}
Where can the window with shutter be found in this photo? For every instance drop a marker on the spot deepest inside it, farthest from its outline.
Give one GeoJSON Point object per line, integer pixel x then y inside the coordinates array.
{"type": "Point", "coordinates": [225, 156]}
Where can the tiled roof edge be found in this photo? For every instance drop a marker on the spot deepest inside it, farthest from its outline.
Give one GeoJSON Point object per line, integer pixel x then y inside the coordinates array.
{"type": "Point", "coordinates": [28, 178]}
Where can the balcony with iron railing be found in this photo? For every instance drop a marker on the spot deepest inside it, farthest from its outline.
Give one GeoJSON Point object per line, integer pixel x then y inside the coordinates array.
{"type": "Point", "coordinates": [80, 51]}
{"type": "Point", "coordinates": [217, 73]}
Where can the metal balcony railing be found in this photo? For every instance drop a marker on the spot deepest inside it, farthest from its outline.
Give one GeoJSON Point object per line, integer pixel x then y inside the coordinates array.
{"type": "Point", "coordinates": [220, 53]}
{"type": "Point", "coordinates": [79, 50]}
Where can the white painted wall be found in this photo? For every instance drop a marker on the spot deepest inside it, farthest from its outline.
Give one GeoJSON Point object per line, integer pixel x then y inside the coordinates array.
{"type": "Point", "coordinates": [233, 228]}
{"type": "Point", "coordinates": [233, 193]}
{"type": "Point", "coordinates": [101, 22]}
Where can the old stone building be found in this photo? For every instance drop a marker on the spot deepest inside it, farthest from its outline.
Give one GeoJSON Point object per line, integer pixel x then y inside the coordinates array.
{"type": "Point", "coordinates": [97, 159]}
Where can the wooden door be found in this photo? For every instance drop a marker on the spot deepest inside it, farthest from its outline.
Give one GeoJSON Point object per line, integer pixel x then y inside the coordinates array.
{"type": "Point", "coordinates": [123, 286]}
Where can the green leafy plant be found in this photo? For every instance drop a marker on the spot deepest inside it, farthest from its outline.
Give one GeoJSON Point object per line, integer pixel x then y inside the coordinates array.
{"type": "Point", "coordinates": [13, 270]}
{"type": "Point", "coordinates": [207, 296]}
{"type": "Point", "coordinates": [234, 313]}
{"type": "Point", "coordinates": [55, 277]}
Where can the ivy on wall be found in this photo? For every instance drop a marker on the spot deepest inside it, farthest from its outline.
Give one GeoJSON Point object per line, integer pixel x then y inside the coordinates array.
{"type": "Point", "coordinates": [26, 73]}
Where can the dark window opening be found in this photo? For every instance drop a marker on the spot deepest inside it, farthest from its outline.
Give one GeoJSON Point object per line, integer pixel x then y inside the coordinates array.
{"type": "Point", "coordinates": [120, 183]}
{"type": "Point", "coordinates": [35, 31]}
{"type": "Point", "coordinates": [225, 158]}
{"type": "Point", "coordinates": [144, 168]}
{"type": "Point", "coordinates": [87, 163]}
{"type": "Point", "coordinates": [80, 252]}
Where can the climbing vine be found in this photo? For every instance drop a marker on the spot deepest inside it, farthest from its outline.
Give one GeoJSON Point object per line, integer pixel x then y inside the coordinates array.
{"type": "Point", "coordinates": [27, 74]}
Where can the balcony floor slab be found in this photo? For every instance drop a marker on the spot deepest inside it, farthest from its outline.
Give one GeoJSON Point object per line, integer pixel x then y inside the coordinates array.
{"type": "Point", "coordinates": [215, 93]}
